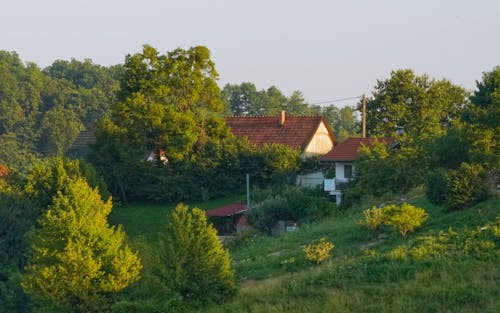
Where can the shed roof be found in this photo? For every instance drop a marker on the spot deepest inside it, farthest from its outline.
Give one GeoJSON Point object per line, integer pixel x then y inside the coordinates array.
{"type": "Point", "coordinates": [296, 132]}
{"type": "Point", "coordinates": [348, 149]}
{"type": "Point", "coordinates": [227, 210]}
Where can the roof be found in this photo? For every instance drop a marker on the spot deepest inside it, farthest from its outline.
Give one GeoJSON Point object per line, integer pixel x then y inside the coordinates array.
{"type": "Point", "coordinates": [296, 132]}
{"type": "Point", "coordinates": [227, 210]}
{"type": "Point", "coordinates": [82, 143]}
{"type": "Point", "coordinates": [348, 149]}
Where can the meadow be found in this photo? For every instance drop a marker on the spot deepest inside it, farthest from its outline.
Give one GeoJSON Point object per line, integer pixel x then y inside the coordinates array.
{"type": "Point", "coordinates": [448, 265]}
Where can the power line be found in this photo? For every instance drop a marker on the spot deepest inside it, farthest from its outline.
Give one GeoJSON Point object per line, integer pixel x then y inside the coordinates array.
{"type": "Point", "coordinates": [336, 100]}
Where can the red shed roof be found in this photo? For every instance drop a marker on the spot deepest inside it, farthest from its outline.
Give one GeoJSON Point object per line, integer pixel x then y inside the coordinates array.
{"type": "Point", "coordinates": [296, 132]}
{"type": "Point", "coordinates": [348, 149]}
{"type": "Point", "coordinates": [227, 210]}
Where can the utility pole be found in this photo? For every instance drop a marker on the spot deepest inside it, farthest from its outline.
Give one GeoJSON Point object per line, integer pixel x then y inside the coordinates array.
{"type": "Point", "coordinates": [363, 101]}
{"type": "Point", "coordinates": [248, 191]}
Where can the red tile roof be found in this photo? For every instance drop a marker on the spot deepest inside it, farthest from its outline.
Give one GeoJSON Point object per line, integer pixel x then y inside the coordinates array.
{"type": "Point", "coordinates": [348, 149]}
{"type": "Point", "coordinates": [227, 210]}
{"type": "Point", "coordinates": [296, 132]}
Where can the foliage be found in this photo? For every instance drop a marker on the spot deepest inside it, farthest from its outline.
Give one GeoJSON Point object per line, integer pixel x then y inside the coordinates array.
{"type": "Point", "coordinates": [266, 214]}
{"type": "Point", "coordinates": [482, 128]}
{"type": "Point", "coordinates": [381, 170]}
{"type": "Point", "coordinates": [424, 107]}
{"type": "Point", "coordinates": [466, 186]}
{"type": "Point", "coordinates": [192, 263]}
{"type": "Point", "coordinates": [319, 252]}
{"type": "Point", "coordinates": [373, 218]}
{"type": "Point", "coordinates": [405, 217]}
{"type": "Point", "coordinates": [436, 189]}
{"type": "Point", "coordinates": [47, 178]}
{"type": "Point", "coordinates": [286, 203]}
{"type": "Point", "coordinates": [78, 260]}
{"type": "Point", "coordinates": [479, 242]}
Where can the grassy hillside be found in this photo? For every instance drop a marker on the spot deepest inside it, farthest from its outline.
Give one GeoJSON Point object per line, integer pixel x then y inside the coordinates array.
{"type": "Point", "coordinates": [434, 270]}
{"type": "Point", "coordinates": [448, 265]}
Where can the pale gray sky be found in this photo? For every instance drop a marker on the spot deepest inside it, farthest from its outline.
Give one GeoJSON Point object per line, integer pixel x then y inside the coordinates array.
{"type": "Point", "coordinates": [327, 49]}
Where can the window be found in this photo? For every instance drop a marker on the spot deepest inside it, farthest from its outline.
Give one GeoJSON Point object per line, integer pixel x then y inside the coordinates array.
{"type": "Point", "coordinates": [348, 171]}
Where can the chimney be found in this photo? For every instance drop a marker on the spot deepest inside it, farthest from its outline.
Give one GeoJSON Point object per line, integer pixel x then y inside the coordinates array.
{"type": "Point", "coordinates": [282, 118]}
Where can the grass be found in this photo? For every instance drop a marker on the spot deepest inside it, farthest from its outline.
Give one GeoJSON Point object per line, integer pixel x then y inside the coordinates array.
{"type": "Point", "coordinates": [147, 220]}
{"type": "Point", "coordinates": [362, 276]}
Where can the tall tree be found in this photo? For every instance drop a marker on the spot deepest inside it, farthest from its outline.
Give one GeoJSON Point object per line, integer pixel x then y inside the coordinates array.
{"type": "Point", "coordinates": [482, 120]}
{"type": "Point", "coordinates": [78, 259]}
{"type": "Point", "coordinates": [424, 107]}
{"type": "Point", "coordinates": [165, 100]}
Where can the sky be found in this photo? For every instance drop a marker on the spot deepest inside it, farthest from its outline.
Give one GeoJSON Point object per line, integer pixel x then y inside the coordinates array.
{"type": "Point", "coordinates": [326, 49]}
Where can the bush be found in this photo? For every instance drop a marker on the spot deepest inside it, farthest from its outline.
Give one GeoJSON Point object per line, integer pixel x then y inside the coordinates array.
{"type": "Point", "coordinates": [266, 214]}
{"type": "Point", "coordinates": [319, 252]}
{"type": "Point", "coordinates": [405, 217]}
{"type": "Point", "coordinates": [374, 217]}
{"type": "Point", "coordinates": [436, 190]}
{"type": "Point", "coordinates": [466, 186]}
{"type": "Point", "coordinates": [289, 203]}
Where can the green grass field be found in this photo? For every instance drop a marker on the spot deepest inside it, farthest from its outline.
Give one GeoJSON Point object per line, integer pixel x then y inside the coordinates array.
{"type": "Point", "coordinates": [448, 265]}
{"type": "Point", "coordinates": [142, 219]}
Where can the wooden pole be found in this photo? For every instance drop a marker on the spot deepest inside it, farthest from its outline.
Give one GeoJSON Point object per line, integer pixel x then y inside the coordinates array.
{"type": "Point", "coordinates": [248, 191]}
{"type": "Point", "coordinates": [363, 101]}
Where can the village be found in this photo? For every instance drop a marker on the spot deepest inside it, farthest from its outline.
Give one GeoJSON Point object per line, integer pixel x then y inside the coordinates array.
{"type": "Point", "coordinates": [283, 156]}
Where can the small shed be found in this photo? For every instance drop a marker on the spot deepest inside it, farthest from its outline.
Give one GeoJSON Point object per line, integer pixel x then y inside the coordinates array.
{"type": "Point", "coordinates": [229, 218]}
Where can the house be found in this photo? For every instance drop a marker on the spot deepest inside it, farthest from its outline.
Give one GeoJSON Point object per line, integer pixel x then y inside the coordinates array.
{"type": "Point", "coordinates": [343, 156]}
{"type": "Point", "coordinates": [310, 134]}
{"type": "Point", "coordinates": [81, 144]}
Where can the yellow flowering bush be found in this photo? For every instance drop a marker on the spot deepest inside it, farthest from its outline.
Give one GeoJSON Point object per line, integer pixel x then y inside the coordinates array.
{"type": "Point", "coordinates": [374, 217]}
{"type": "Point", "coordinates": [319, 252]}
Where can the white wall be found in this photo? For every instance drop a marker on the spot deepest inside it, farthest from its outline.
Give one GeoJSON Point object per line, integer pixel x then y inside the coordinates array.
{"type": "Point", "coordinates": [339, 170]}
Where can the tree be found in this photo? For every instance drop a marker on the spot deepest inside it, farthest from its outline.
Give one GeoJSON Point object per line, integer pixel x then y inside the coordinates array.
{"type": "Point", "coordinates": [193, 262]}
{"type": "Point", "coordinates": [424, 107]}
{"type": "Point", "coordinates": [47, 178]}
{"type": "Point", "coordinates": [482, 128]}
{"type": "Point", "coordinates": [166, 100]}
{"type": "Point", "coordinates": [78, 260]}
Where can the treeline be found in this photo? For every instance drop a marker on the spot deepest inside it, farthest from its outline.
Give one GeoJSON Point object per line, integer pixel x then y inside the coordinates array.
{"type": "Point", "coordinates": [450, 144]}
{"type": "Point", "coordinates": [42, 111]}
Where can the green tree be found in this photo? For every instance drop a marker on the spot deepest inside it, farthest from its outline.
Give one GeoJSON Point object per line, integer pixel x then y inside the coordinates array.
{"type": "Point", "coordinates": [47, 178]}
{"type": "Point", "coordinates": [193, 262]}
{"type": "Point", "coordinates": [78, 260]}
{"type": "Point", "coordinates": [482, 117]}
{"type": "Point", "coordinates": [424, 107]}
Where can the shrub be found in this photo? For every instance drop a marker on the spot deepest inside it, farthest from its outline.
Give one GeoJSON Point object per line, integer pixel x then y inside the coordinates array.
{"type": "Point", "coordinates": [319, 252]}
{"type": "Point", "coordinates": [374, 217]}
{"type": "Point", "coordinates": [466, 186]}
{"type": "Point", "coordinates": [436, 190]}
{"type": "Point", "coordinates": [289, 203]}
{"type": "Point", "coordinates": [193, 264]}
{"type": "Point", "coordinates": [405, 217]}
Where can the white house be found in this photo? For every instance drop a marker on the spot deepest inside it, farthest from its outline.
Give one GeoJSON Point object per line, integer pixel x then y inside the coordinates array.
{"type": "Point", "coordinates": [343, 156]}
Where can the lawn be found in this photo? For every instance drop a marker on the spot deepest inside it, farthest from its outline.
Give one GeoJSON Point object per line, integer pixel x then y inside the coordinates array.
{"type": "Point", "coordinates": [142, 219]}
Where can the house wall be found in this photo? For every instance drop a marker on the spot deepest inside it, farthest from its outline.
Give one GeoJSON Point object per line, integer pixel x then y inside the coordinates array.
{"type": "Point", "coordinates": [339, 170]}
{"type": "Point", "coordinates": [321, 143]}
{"type": "Point", "coordinates": [310, 180]}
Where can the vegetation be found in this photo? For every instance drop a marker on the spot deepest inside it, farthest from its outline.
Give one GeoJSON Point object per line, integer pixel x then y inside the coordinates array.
{"type": "Point", "coordinates": [319, 252]}
{"type": "Point", "coordinates": [193, 264]}
{"type": "Point", "coordinates": [78, 260]}
{"type": "Point", "coordinates": [58, 253]}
